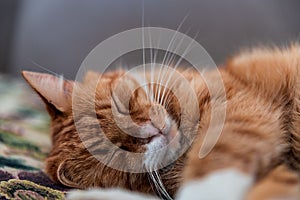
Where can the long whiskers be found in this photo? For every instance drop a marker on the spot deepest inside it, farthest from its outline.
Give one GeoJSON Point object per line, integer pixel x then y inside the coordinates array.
{"type": "Point", "coordinates": [161, 190]}
{"type": "Point", "coordinates": [171, 57]}
{"type": "Point", "coordinates": [177, 64]}
{"type": "Point", "coordinates": [46, 69]}
{"type": "Point", "coordinates": [152, 70]}
{"type": "Point", "coordinates": [167, 52]}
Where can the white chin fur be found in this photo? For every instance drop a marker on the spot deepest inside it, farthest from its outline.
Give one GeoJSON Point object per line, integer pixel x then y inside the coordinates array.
{"type": "Point", "coordinates": [161, 153]}
{"type": "Point", "coordinates": [229, 184]}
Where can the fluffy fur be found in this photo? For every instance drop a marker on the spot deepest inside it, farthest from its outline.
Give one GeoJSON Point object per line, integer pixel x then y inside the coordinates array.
{"type": "Point", "coordinates": [261, 130]}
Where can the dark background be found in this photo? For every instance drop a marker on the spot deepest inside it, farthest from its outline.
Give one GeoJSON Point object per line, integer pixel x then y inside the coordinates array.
{"type": "Point", "coordinates": [58, 34]}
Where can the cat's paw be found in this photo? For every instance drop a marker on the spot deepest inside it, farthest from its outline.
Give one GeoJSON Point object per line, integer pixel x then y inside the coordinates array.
{"type": "Point", "coordinates": [107, 194]}
{"type": "Point", "coordinates": [221, 185]}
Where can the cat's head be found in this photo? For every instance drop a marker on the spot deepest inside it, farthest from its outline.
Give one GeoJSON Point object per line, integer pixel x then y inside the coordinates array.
{"type": "Point", "coordinates": [101, 123]}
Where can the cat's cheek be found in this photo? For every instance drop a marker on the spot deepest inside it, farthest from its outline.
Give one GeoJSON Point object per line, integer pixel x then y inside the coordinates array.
{"type": "Point", "coordinates": [173, 133]}
{"type": "Point", "coordinates": [229, 184]}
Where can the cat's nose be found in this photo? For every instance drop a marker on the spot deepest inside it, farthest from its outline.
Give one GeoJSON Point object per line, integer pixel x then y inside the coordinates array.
{"type": "Point", "coordinates": [158, 116]}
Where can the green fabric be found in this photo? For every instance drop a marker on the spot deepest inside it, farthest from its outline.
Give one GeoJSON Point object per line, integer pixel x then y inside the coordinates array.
{"type": "Point", "coordinates": [24, 144]}
{"type": "Point", "coordinates": [23, 189]}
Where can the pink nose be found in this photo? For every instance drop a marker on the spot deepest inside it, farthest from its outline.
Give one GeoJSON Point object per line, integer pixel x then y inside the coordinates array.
{"type": "Point", "coordinates": [158, 115]}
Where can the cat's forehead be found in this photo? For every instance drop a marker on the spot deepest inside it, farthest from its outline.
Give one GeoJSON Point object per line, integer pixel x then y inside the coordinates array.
{"type": "Point", "coordinates": [103, 86]}
{"type": "Point", "coordinates": [141, 83]}
{"type": "Point", "coordinates": [92, 77]}
{"type": "Point", "coordinates": [112, 79]}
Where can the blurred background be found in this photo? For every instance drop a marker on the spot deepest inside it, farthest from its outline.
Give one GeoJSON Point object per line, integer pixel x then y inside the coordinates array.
{"type": "Point", "coordinates": [58, 34]}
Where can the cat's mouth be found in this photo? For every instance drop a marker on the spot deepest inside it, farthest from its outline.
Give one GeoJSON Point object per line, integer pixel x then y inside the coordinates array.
{"type": "Point", "coordinates": [152, 138]}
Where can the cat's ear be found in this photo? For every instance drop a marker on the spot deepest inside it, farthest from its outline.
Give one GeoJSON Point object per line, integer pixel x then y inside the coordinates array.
{"type": "Point", "coordinates": [55, 91]}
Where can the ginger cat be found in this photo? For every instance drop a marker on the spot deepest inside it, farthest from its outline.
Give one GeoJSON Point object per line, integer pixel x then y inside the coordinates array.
{"type": "Point", "coordinates": [257, 155]}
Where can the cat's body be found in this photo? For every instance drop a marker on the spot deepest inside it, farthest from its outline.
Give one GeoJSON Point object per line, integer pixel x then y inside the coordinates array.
{"type": "Point", "coordinates": [261, 131]}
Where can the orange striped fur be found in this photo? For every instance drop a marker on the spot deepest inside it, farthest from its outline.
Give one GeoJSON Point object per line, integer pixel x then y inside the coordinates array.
{"type": "Point", "coordinates": [260, 137]}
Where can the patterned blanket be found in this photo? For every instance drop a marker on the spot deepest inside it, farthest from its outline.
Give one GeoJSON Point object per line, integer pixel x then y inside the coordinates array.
{"type": "Point", "coordinates": [24, 143]}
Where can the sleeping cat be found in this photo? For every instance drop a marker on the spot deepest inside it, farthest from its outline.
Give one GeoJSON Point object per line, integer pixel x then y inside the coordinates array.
{"type": "Point", "coordinates": [256, 156]}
